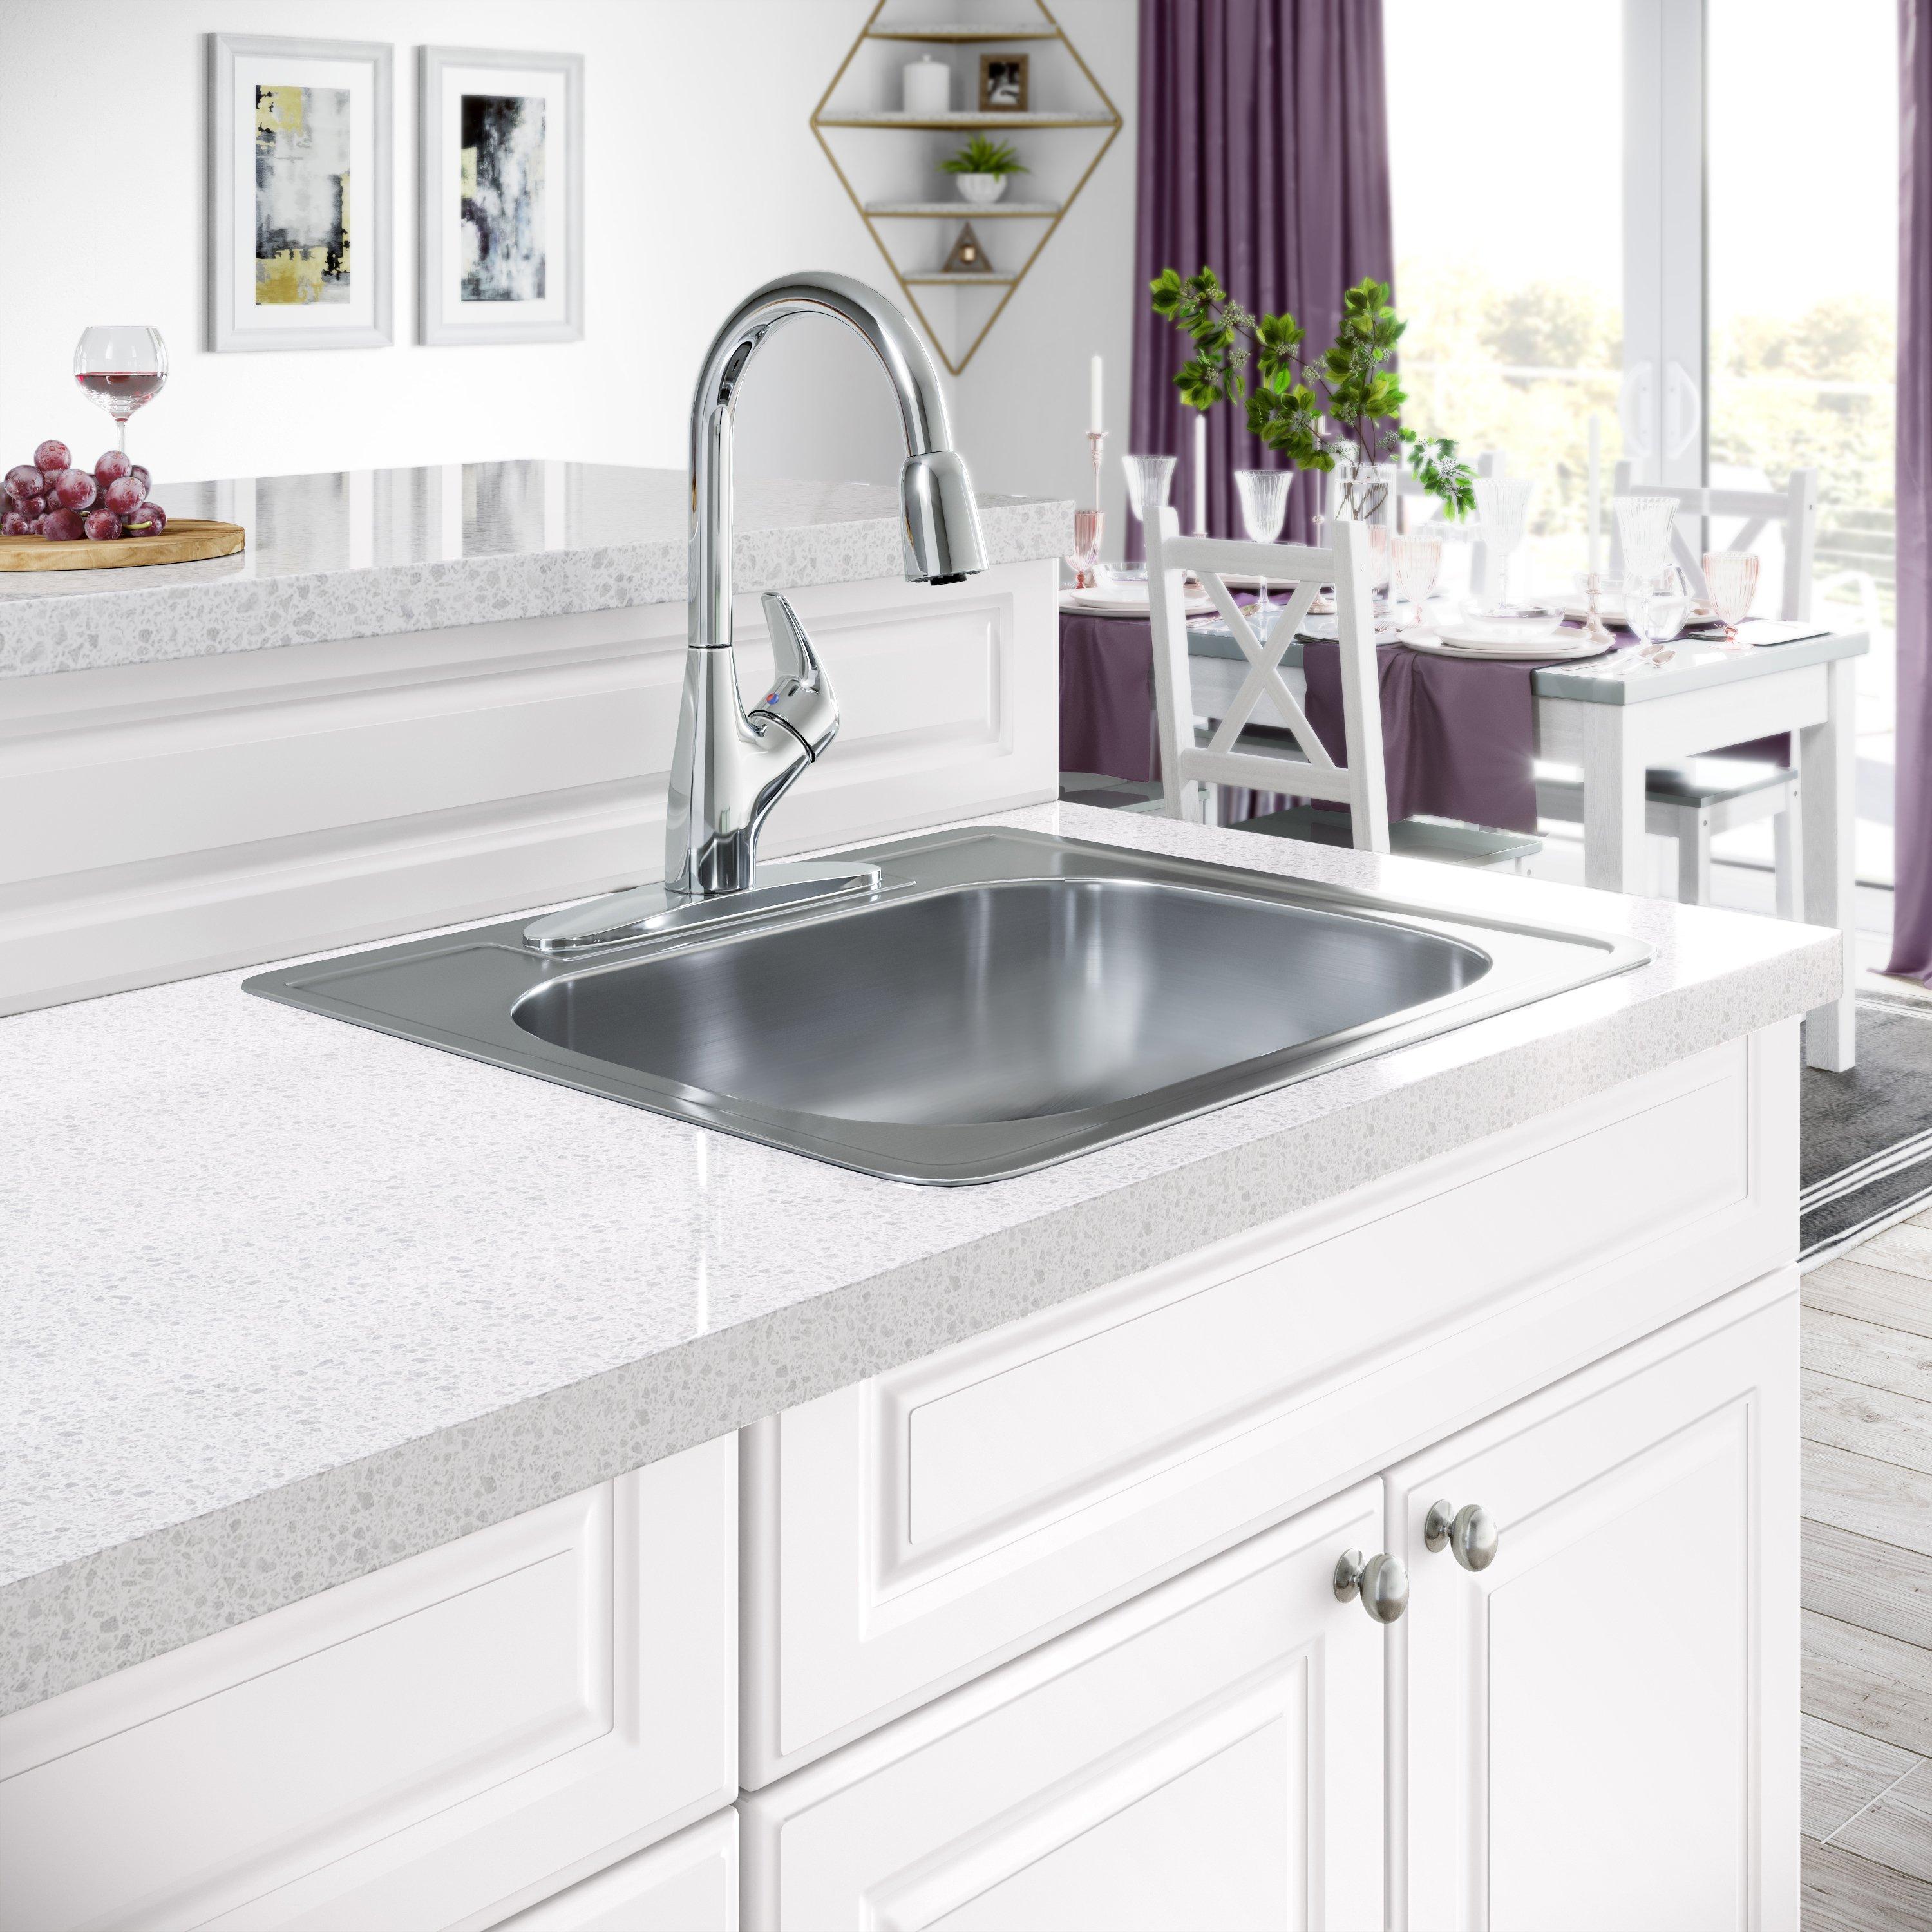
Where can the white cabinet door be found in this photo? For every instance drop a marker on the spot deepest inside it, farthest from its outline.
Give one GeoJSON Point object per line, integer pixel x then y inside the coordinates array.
{"type": "Point", "coordinates": [1599, 1728]}
{"type": "Point", "coordinates": [1208, 1755]}
{"type": "Point", "coordinates": [688, 1883]}
{"type": "Point", "coordinates": [433, 1744]}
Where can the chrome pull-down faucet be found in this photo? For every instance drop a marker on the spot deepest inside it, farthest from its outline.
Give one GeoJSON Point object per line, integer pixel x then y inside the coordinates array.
{"type": "Point", "coordinates": [732, 765]}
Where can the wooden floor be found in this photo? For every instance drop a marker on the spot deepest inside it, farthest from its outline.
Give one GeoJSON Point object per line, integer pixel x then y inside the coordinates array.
{"type": "Point", "coordinates": [1867, 1587]}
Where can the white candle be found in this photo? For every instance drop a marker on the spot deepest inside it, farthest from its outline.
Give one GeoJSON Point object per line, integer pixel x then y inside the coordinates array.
{"type": "Point", "coordinates": [1595, 489]}
{"type": "Point", "coordinates": [1201, 475]}
{"type": "Point", "coordinates": [928, 84]}
{"type": "Point", "coordinates": [1094, 421]}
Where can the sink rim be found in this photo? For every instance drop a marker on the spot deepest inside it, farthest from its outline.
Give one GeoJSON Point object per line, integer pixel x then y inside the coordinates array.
{"type": "Point", "coordinates": [1525, 955]}
{"type": "Point", "coordinates": [833, 912]}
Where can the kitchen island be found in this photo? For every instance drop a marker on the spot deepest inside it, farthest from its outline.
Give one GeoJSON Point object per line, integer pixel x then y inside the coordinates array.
{"type": "Point", "coordinates": [374, 1410]}
{"type": "Point", "coordinates": [422, 695]}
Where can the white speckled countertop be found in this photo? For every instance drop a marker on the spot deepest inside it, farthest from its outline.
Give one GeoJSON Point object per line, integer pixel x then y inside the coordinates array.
{"type": "Point", "coordinates": [374, 552]}
{"type": "Point", "coordinates": [286, 1300]}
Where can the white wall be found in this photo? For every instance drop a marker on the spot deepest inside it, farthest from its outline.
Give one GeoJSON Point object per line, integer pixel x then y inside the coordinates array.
{"type": "Point", "coordinates": [703, 178]}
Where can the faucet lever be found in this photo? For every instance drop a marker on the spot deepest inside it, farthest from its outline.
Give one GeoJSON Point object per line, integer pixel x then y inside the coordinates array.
{"type": "Point", "coordinates": [801, 697]}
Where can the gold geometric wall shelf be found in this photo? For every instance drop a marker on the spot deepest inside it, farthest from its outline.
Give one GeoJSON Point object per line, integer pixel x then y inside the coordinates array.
{"type": "Point", "coordinates": [887, 159]}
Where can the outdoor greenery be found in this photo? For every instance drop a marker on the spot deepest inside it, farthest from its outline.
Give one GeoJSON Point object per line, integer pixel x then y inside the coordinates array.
{"type": "Point", "coordinates": [1339, 411]}
{"type": "Point", "coordinates": [981, 156]}
{"type": "Point", "coordinates": [1521, 369]}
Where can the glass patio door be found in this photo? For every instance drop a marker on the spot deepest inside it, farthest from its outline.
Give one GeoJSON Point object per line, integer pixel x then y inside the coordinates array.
{"type": "Point", "coordinates": [1679, 217]}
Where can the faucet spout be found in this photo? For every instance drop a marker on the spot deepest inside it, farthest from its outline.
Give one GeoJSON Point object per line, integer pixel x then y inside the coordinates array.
{"type": "Point", "coordinates": [726, 761]}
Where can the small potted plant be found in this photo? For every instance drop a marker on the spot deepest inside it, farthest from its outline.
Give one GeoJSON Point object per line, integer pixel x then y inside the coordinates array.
{"type": "Point", "coordinates": [981, 168]}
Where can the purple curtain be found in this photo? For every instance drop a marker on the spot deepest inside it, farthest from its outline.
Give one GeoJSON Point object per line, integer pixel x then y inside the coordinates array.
{"type": "Point", "coordinates": [1912, 914]}
{"type": "Point", "coordinates": [1263, 151]}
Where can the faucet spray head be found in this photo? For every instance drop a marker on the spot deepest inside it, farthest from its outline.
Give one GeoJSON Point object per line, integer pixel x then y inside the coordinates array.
{"type": "Point", "coordinates": [941, 521]}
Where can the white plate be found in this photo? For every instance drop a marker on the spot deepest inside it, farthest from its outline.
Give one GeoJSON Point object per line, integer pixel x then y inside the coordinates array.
{"type": "Point", "coordinates": [1548, 650]}
{"type": "Point", "coordinates": [1129, 600]}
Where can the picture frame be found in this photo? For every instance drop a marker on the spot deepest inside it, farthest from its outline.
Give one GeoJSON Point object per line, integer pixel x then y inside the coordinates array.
{"type": "Point", "coordinates": [299, 255]}
{"type": "Point", "coordinates": [500, 195]}
{"type": "Point", "coordinates": [1005, 83]}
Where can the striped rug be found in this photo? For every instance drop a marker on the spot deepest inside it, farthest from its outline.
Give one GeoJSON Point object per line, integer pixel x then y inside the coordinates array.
{"type": "Point", "coordinates": [1865, 1149]}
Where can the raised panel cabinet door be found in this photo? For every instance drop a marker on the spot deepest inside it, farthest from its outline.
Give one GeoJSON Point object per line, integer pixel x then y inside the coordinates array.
{"type": "Point", "coordinates": [436, 1744]}
{"type": "Point", "coordinates": [1209, 1755]}
{"type": "Point", "coordinates": [688, 1883]}
{"type": "Point", "coordinates": [1599, 1726]}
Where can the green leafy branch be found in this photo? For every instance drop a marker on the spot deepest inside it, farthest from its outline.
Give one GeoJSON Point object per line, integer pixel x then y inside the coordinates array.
{"type": "Point", "coordinates": [1340, 410]}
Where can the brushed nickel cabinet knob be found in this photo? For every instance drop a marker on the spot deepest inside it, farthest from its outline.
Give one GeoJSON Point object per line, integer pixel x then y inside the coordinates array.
{"type": "Point", "coordinates": [1381, 1582]}
{"type": "Point", "coordinates": [1470, 1533]}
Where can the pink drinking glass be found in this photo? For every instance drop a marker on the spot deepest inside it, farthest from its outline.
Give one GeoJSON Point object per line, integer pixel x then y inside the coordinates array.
{"type": "Point", "coordinates": [1731, 578]}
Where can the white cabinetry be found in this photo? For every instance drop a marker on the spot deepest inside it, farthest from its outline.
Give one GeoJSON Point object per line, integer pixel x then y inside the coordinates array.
{"type": "Point", "coordinates": [905, 1534]}
{"type": "Point", "coordinates": [1599, 1731]}
{"type": "Point", "coordinates": [1208, 1755]}
{"type": "Point", "coordinates": [430, 1745]}
{"type": "Point", "coordinates": [688, 1883]}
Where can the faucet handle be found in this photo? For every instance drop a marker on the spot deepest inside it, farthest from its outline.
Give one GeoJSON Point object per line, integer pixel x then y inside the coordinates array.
{"type": "Point", "coordinates": [800, 697]}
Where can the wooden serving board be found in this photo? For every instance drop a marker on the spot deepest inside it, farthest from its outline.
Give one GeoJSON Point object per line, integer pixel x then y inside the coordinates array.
{"type": "Point", "coordinates": [184, 541]}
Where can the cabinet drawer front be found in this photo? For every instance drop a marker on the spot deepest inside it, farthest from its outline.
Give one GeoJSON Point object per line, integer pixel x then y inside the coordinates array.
{"type": "Point", "coordinates": [338, 1762]}
{"type": "Point", "coordinates": [1210, 1754]}
{"type": "Point", "coordinates": [1623, 1675]}
{"type": "Point", "coordinates": [904, 1533]}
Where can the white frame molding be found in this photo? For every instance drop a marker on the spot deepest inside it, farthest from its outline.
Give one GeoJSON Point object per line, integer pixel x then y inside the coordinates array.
{"type": "Point", "coordinates": [375, 220]}
{"type": "Point", "coordinates": [1665, 352]}
{"type": "Point", "coordinates": [434, 326]}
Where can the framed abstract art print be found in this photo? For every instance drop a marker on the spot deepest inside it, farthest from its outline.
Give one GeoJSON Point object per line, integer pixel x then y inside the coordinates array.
{"type": "Point", "coordinates": [301, 150]}
{"type": "Point", "coordinates": [501, 182]}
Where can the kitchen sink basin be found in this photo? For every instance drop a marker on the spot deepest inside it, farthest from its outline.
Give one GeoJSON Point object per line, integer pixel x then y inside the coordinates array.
{"type": "Point", "coordinates": [1004, 1001]}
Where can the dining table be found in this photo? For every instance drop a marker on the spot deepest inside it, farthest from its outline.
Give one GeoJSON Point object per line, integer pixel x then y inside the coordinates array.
{"type": "Point", "coordinates": [1608, 718]}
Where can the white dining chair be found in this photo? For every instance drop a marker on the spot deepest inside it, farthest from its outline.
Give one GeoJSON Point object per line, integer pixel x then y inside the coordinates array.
{"type": "Point", "coordinates": [1280, 752]}
{"type": "Point", "coordinates": [1693, 802]}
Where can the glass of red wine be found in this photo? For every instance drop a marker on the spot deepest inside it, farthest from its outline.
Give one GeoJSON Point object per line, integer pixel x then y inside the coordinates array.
{"type": "Point", "coordinates": [120, 367]}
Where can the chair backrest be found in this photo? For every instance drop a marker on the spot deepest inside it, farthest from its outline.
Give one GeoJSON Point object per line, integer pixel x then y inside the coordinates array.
{"type": "Point", "coordinates": [1794, 508]}
{"type": "Point", "coordinates": [1358, 780]}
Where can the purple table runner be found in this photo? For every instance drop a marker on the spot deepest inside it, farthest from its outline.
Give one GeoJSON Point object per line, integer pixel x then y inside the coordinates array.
{"type": "Point", "coordinates": [1459, 736]}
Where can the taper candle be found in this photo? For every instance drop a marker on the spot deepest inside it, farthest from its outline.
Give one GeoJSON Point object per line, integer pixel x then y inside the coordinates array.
{"type": "Point", "coordinates": [1201, 475]}
{"type": "Point", "coordinates": [1594, 510]}
{"type": "Point", "coordinates": [1095, 426]}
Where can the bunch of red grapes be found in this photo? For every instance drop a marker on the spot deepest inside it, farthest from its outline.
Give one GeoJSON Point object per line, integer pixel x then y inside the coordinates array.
{"type": "Point", "coordinates": [49, 498]}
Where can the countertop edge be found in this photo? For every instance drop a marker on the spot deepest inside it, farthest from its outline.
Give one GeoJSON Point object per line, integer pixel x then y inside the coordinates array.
{"type": "Point", "coordinates": [157, 1592]}
{"type": "Point", "coordinates": [42, 638]}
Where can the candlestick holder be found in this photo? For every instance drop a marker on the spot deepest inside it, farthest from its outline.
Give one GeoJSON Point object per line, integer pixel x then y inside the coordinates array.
{"type": "Point", "coordinates": [1594, 583]}
{"type": "Point", "coordinates": [1096, 442]}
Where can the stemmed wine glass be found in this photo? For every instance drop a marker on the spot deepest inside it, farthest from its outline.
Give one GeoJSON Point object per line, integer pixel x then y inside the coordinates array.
{"type": "Point", "coordinates": [1149, 479]}
{"type": "Point", "coordinates": [1089, 526]}
{"type": "Point", "coordinates": [1416, 562]}
{"type": "Point", "coordinates": [1644, 524]}
{"type": "Point", "coordinates": [120, 367]}
{"type": "Point", "coordinates": [1263, 494]}
{"type": "Point", "coordinates": [1731, 578]}
{"type": "Point", "coordinates": [1502, 507]}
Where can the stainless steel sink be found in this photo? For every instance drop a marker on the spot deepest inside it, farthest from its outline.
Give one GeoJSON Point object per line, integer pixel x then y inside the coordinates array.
{"type": "Point", "coordinates": [1005, 1000]}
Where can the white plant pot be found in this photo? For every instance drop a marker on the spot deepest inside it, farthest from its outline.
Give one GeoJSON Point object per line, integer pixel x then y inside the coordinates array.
{"type": "Point", "coordinates": [981, 189]}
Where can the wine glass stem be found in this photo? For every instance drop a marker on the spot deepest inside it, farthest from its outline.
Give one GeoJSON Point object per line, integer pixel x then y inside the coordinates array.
{"type": "Point", "coordinates": [120, 434]}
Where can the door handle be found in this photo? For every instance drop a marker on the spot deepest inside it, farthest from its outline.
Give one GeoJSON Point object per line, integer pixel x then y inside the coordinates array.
{"type": "Point", "coordinates": [1683, 411]}
{"type": "Point", "coordinates": [1633, 409]}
